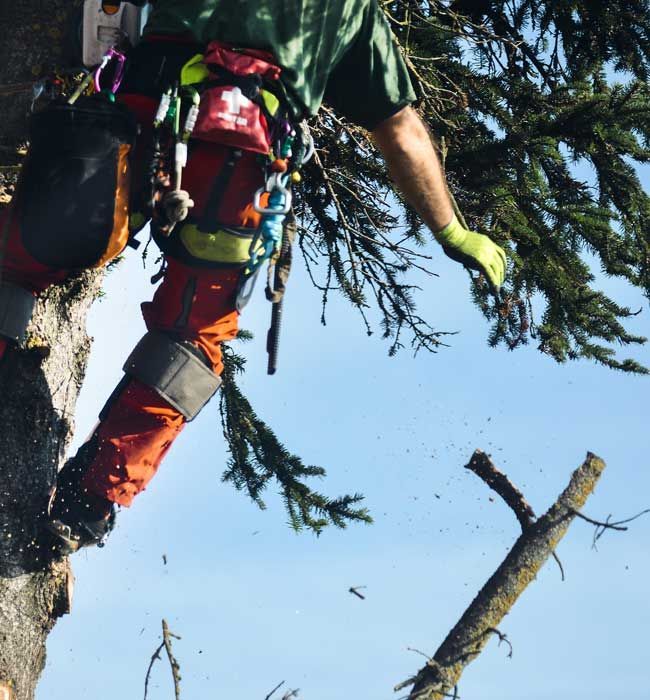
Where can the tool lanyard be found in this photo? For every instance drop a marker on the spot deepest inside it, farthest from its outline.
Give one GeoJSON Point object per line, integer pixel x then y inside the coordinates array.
{"type": "Point", "coordinates": [269, 232]}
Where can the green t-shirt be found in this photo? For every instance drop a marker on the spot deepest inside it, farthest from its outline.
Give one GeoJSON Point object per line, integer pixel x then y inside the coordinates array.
{"type": "Point", "coordinates": [340, 50]}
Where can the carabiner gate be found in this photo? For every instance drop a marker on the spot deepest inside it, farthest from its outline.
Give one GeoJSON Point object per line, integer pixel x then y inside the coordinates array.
{"type": "Point", "coordinates": [275, 182]}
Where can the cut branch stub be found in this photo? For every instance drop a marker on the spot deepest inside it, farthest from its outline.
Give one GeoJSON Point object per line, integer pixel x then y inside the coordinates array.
{"type": "Point", "coordinates": [536, 544]}
{"type": "Point", "coordinates": [483, 467]}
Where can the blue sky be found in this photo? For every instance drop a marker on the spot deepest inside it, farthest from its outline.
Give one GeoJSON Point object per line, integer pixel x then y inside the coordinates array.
{"type": "Point", "coordinates": [256, 604]}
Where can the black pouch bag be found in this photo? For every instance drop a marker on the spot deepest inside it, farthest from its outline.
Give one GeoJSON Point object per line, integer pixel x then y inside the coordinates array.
{"type": "Point", "coordinates": [74, 189]}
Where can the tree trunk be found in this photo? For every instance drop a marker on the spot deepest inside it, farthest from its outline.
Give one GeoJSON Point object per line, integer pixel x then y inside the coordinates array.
{"type": "Point", "coordinates": [39, 383]}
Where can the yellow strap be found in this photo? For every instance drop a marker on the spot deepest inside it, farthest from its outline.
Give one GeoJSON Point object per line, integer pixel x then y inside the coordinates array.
{"type": "Point", "coordinates": [271, 102]}
{"type": "Point", "coordinates": [194, 71]}
{"type": "Point", "coordinates": [223, 246]}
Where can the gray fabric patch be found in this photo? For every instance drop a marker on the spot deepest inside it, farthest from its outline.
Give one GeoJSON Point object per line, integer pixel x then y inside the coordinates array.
{"type": "Point", "coordinates": [175, 372]}
{"type": "Point", "coordinates": [16, 308]}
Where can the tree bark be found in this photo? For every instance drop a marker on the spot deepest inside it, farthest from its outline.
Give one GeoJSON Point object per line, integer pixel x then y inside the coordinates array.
{"type": "Point", "coordinates": [479, 622]}
{"type": "Point", "coordinates": [40, 382]}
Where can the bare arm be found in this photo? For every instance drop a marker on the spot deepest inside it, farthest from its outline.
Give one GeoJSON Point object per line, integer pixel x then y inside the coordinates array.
{"type": "Point", "coordinates": [412, 161]}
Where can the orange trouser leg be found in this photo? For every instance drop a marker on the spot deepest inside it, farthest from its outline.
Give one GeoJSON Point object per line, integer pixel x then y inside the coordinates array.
{"type": "Point", "coordinates": [137, 430]}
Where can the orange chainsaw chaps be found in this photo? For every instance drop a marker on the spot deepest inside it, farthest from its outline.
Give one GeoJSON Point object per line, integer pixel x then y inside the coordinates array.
{"type": "Point", "coordinates": [195, 305]}
{"type": "Point", "coordinates": [131, 443]}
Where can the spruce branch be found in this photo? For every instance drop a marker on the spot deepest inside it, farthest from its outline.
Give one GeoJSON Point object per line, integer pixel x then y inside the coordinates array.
{"type": "Point", "coordinates": [258, 458]}
{"type": "Point", "coordinates": [519, 93]}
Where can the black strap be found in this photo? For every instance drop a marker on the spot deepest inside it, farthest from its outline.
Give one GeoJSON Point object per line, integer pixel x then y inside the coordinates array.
{"type": "Point", "coordinates": [221, 182]}
{"type": "Point", "coordinates": [275, 294]}
{"type": "Point", "coordinates": [249, 84]}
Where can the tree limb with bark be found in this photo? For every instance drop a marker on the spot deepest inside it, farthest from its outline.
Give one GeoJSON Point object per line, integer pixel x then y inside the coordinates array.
{"type": "Point", "coordinates": [538, 541]}
{"type": "Point", "coordinates": [513, 180]}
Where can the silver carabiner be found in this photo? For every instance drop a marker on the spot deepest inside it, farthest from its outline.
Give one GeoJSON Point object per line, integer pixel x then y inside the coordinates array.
{"type": "Point", "coordinates": [273, 183]}
{"type": "Point", "coordinates": [311, 148]}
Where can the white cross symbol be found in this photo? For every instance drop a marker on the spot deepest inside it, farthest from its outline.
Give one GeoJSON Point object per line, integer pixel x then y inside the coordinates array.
{"type": "Point", "coordinates": [235, 101]}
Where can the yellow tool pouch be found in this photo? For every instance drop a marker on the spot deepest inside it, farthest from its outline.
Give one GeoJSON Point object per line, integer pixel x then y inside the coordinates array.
{"type": "Point", "coordinates": [227, 245]}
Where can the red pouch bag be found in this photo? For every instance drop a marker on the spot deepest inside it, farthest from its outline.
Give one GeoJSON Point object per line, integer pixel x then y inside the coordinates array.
{"type": "Point", "coordinates": [231, 113]}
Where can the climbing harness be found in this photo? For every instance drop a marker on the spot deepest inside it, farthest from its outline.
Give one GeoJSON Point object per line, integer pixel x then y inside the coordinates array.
{"type": "Point", "coordinates": [234, 99]}
{"type": "Point", "coordinates": [231, 103]}
{"type": "Point", "coordinates": [225, 110]}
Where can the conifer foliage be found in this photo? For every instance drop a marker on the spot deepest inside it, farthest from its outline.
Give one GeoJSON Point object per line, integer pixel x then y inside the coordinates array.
{"type": "Point", "coordinates": [517, 95]}
{"type": "Point", "coordinates": [258, 459]}
{"type": "Point", "coordinates": [541, 110]}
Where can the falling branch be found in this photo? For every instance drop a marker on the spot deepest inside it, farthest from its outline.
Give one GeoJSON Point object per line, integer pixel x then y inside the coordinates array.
{"type": "Point", "coordinates": [175, 667]}
{"type": "Point", "coordinates": [277, 687]}
{"type": "Point", "coordinates": [483, 467]}
{"type": "Point", "coordinates": [480, 621]}
{"type": "Point", "coordinates": [155, 657]}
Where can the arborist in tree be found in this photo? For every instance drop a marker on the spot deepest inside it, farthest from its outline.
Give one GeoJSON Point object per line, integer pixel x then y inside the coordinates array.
{"type": "Point", "coordinates": [203, 135]}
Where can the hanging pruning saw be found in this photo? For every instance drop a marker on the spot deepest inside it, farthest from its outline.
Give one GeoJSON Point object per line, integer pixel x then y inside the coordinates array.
{"type": "Point", "coordinates": [304, 144]}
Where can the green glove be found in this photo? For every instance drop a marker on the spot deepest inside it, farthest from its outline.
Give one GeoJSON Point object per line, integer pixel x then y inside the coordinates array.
{"type": "Point", "coordinates": [474, 250]}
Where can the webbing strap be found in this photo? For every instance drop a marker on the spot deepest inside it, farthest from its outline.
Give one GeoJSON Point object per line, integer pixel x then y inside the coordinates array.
{"type": "Point", "coordinates": [174, 372]}
{"type": "Point", "coordinates": [221, 182]}
{"type": "Point", "coordinates": [16, 308]}
{"type": "Point", "coordinates": [249, 84]}
{"type": "Point", "coordinates": [278, 273]}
